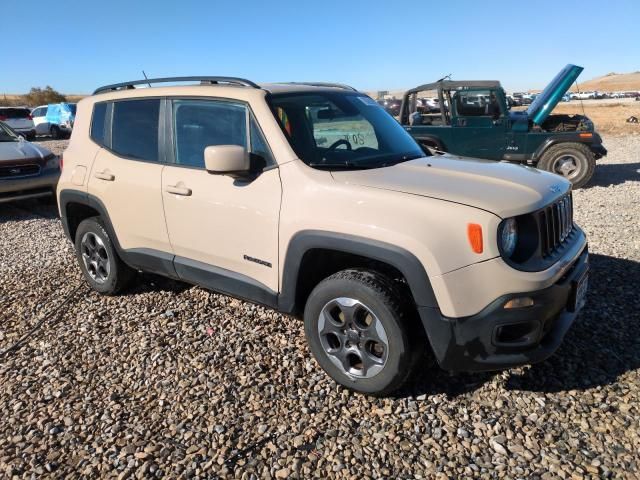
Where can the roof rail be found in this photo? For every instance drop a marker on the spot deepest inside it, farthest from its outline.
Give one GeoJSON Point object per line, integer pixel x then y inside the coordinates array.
{"type": "Point", "coordinates": [202, 80]}
{"type": "Point", "coordinates": [325, 84]}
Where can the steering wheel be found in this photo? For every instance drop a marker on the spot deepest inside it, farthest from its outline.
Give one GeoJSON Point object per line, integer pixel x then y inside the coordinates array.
{"type": "Point", "coordinates": [337, 143]}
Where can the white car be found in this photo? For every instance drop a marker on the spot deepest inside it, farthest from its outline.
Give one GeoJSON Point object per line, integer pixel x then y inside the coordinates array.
{"type": "Point", "coordinates": [19, 118]}
{"type": "Point", "coordinates": [55, 119]}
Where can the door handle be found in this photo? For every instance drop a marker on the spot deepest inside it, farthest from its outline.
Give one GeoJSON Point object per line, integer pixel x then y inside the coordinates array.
{"type": "Point", "coordinates": [109, 177]}
{"type": "Point", "coordinates": [176, 190]}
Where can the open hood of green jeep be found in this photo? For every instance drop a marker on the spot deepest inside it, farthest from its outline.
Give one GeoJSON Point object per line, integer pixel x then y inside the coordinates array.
{"type": "Point", "coordinates": [544, 103]}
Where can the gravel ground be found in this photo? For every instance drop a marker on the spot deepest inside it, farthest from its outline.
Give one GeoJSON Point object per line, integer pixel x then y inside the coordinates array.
{"type": "Point", "coordinates": [171, 380]}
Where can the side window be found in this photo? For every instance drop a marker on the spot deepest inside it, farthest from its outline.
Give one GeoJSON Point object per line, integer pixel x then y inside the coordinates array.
{"type": "Point", "coordinates": [200, 123]}
{"type": "Point", "coordinates": [98, 122]}
{"type": "Point", "coordinates": [259, 145]}
{"type": "Point", "coordinates": [37, 112]}
{"type": "Point", "coordinates": [477, 103]}
{"type": "Point", "coordinates": [134, 129]}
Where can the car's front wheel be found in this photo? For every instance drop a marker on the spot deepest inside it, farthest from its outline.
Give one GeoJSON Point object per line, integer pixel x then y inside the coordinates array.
{"type": "Point", "coordinates": [574, 161]}
{"type": "Point", "coordinates": [358, 327]}
{"type": "Point", "coordinates": [103, 269]}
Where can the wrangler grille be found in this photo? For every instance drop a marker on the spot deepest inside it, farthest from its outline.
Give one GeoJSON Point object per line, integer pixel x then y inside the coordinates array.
{"type": "Point", "coordinates": [19, 171]}
{"type": "Point", "coordinates": [556, 224]}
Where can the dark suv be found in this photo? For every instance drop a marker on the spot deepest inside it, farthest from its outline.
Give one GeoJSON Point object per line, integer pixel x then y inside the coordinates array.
{"type": "Point", "coordinates": [475, 121]}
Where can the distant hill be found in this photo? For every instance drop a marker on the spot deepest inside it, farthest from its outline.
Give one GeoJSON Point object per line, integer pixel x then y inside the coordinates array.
{"type": "Point", "coordinates": [612, 82]}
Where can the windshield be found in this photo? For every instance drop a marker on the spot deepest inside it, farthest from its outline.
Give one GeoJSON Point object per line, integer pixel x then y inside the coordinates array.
{"type": "Point", "coordinates": [342, 130]}
{"type": "Point", "coordinates": [6, 134]}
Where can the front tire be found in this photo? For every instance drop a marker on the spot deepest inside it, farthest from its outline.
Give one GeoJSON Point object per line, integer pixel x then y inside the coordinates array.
{"type": "Point", "coordinates": [101, 266]}
{"type": "Point", "coordinates": [358, 327]}
{"type": "Point", "coordinates": [573, 161]}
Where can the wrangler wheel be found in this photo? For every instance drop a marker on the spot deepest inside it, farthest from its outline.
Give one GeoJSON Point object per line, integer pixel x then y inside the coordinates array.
{"type": "Point", "coordinates": [574, 161]}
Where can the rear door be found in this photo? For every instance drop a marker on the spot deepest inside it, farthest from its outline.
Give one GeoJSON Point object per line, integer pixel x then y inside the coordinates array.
{"type": "Point", "coordinates": [40, 121]}
{"type": "Point", "coordinates": [478, 123]}
{"type": "Point", "coordinates": [223, 230]}
{"type": "Point", "coordinates": [126, 176]}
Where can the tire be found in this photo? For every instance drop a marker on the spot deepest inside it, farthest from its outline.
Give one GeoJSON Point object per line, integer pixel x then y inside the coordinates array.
{"type": "Point", "coordinates": [573, 161]}
{"type": "Point", "coordinates": [342, 321]}
{"type": "Point", "coordinates": [31, 136]}
{"type": "Point", "coordinates": [101, 266]}
{"type": "Point", "coordinates": [56, 134]}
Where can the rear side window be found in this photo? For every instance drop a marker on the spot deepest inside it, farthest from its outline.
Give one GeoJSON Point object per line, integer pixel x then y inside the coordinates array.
{"type": "Point", "coordinates": [134, 129]}
{"type": "Point", "coordinates": [15, 113]}
{"type": "Point", "coordinates": [98, 123]}
{"type": "Point", "coordinates": [198, 124]}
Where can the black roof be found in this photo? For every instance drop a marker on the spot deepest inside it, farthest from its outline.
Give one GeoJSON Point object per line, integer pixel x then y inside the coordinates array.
{"type": "Point", "coordinates": [453, 85]}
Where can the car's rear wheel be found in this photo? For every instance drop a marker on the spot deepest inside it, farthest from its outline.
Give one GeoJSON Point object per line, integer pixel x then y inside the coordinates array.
{"type": "Point", "coordinates": [103, 269]}
{"type": "Point", "coordinates": [56, 133]}
{"type": "Point", "coordinates": [574, 161]}
{"type": "Point", "coordinates": [358, 327]}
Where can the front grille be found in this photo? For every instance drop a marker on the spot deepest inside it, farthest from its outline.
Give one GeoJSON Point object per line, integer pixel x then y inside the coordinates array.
{"type": "Point", "coordinates": [19, 171]}
{"type": "Point", "coordinates": [556, 224]}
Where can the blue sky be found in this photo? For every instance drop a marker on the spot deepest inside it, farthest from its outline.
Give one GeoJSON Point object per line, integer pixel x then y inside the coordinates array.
{"type": "Point", "coordinates": [371, 45]}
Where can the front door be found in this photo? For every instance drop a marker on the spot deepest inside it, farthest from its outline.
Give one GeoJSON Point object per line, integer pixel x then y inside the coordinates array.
{"type": "Point", "coordinates": [126, 177]}
{"type": "Point", "coordinates": [478, 124]}
{"type": "Point", "coordinates": [223, 230]}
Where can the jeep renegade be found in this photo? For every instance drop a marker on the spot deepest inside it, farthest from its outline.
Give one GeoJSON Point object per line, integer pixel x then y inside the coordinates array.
{"type": "Point", "coordinates": [311, 199]}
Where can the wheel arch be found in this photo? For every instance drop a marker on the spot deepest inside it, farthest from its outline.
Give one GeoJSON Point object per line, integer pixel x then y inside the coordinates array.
{"type": "Point", "coordinates": [313, 255]}
{"type": "Point", "coordinates": [431, 140]}
{"type": "Point", "coordinates": [76, 206]}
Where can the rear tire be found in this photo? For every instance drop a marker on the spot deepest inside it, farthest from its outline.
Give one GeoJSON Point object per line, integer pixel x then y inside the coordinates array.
{"type": "Point", "coordinates": [359, 328]}
{"type": "Point", "coordinates": [101, 266]}
{"type": "Point", "coordinates": [55, 132]}
{"type": "Point", "coordinates": [573, 161]}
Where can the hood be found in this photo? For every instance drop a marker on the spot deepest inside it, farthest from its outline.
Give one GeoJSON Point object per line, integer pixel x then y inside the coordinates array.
{"type": "Point", "coordinates": [544, 103]}
{"type": "Point", "coordinates": [502, 188]}
{"type": "Point", "coordinates": [18, 152]}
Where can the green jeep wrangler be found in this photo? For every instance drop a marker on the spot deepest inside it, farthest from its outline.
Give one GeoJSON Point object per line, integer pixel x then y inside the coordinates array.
{"type": "Point", "coordinates": [474, 120]}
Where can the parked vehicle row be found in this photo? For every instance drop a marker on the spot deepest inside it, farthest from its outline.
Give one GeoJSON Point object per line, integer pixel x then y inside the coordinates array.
{"type": "Point", "coordinates": [54, 119]}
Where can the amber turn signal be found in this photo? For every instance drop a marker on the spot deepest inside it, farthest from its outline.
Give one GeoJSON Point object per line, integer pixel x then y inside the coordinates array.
{"type": "Point", "coordinates": [586, 135]}
{"type": "Point", "coordinates": [474, 234]}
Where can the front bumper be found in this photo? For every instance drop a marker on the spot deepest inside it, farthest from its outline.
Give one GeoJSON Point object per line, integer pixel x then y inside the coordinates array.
{"type": "Point", "coordinates": [598, 150]}
{"type": "Point", "coordinates": [479, 342]}
{"type": "Point", "coordinates": [36, 186]}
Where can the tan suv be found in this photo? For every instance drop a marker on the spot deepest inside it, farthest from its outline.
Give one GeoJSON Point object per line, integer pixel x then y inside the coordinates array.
{"type": "Point", "coordinates": [311, 199]}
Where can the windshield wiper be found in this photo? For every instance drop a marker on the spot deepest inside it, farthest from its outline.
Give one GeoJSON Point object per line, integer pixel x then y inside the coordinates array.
{"type": "Point", "coordinates": [336, 165]}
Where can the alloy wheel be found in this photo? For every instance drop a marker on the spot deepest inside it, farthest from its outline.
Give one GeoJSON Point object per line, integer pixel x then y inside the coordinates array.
{"type": "Point", "coordinates": [95, 257]}
{"type": "Point", "coordinates": [353, 337]}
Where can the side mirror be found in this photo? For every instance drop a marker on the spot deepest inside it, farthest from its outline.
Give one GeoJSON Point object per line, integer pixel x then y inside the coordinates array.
{"type": "Point", "coordinates": [227, 160]}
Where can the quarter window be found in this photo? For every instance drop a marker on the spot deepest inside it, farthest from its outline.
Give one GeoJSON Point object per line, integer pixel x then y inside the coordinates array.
{"type": "Point", "coordinates": [98, 122]}
{"type": "Point", "coordinates": [134, 130]}
{"type": "Point", "coordinates": [198, 124]}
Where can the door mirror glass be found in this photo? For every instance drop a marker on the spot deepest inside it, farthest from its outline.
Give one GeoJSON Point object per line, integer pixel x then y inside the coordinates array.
{"type": "Point", "coordinates": [227, 159]}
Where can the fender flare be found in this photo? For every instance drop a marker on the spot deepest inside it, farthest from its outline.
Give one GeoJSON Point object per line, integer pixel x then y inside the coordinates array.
{"type": "Point", "coordinates": [573, 137]}
{"type": "Point", "coordinates": [397, 257]}
{"type": "Point", "coordinates": [433, 139]}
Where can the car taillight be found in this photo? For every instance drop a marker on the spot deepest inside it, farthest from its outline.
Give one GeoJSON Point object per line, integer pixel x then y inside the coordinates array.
{"type": "Point", "coordinates": [30, 117]}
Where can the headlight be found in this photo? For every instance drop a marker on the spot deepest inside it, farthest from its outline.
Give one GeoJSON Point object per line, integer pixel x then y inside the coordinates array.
{"type": "Point", "coordinates": [508, 236]}
{"type": "Point", "coordinates": [52, 161]}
